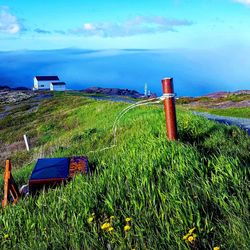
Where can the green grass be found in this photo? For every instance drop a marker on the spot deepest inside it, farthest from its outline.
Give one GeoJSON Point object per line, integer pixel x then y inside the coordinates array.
{"type": "Point", "coordinates": [167, 188]}
{"type": "Point", "coordinates": [234, 112]}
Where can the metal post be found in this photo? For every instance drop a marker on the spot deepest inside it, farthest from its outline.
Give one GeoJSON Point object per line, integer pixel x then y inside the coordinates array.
{"type": "Point", "coordinates": [26, 142]}
{"type": "Point", "coordinates": [169, 108]}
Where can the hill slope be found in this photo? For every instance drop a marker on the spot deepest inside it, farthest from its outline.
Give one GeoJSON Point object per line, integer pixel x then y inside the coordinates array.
{"type": "Point", "coordinates": [167, 188]}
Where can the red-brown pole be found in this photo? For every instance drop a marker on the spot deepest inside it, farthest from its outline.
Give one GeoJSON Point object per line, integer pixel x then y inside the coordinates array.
{"type": "Point", "coordinates": [7, 174]}
{"type": "Point", "coordinates": [169, 108]}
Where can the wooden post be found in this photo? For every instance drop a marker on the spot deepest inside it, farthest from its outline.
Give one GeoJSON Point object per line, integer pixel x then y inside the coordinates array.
{"type": "Point", "coordinates": [10, 187]}
{"type": "Point", "coordinates": [6, 184]}
{"type": "Point", "coordinates": [169, 108]}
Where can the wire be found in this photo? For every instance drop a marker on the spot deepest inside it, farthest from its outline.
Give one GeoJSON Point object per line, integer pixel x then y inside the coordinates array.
{"type": "Point", "coordinates": [121, 114]}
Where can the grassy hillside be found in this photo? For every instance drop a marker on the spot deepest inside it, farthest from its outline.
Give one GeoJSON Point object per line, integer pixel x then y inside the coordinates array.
{"type": "Point", "coordinates": [235, 105]}
{"type": "Point", "coordinates": [166, 188]}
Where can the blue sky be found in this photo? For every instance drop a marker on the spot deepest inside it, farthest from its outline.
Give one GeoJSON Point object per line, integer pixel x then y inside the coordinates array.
{"type": "Point", "coordinates": [203, 44]}
{"type": "Point", "coordinates": [147, 24]}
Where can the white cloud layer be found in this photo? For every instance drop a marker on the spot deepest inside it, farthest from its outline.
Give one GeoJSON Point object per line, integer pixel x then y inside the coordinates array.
{"type": "Point", "coordinates": [8, 22]}
{"type": "Point", "coordinates": [246, 2]}
{"type": "Point", "coordinates": [130, 27]}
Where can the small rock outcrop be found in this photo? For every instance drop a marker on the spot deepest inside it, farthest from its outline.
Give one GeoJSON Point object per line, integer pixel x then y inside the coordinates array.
{"type": "Point", "coordinates": [10, 96]}
{"type": "Point", "coordinates": [113, 92]}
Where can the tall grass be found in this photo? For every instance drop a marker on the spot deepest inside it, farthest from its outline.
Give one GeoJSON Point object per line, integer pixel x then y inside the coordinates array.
{"type": "Point", "coordinates": [167, 188]}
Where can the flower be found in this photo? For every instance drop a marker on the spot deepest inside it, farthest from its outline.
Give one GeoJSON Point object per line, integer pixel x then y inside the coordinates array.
{"type": "Point", "coordinates": [105, 226]}
{"type": "Point", "coordinates": [190, 239]}
{"type": "Point", "coordinates": [90, 219]}
{"type": "Point", "coordinates": [216, 248]}
{"type": "Point", "coordinates": [190, 236]}
{"type": "Point", "coordinates": [128, 219]}
{"type": "Point", "coordinates": [127, 228]}
{"type": "Point", "coordinates": [110, 229]}
{"type": "Point", "coordinates": [6, 236]}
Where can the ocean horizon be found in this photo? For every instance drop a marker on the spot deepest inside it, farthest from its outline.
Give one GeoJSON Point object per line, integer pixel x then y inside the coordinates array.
{"type": "Point", "coordinates": [195, 72]}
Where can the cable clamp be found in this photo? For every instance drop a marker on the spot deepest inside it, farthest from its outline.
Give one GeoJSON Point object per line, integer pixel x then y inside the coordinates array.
{"type": "Point", "coordinates": [166, 96]}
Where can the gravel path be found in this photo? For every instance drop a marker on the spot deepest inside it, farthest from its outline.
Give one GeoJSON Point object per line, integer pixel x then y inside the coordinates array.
{"type": "Point", "coordinates": [243, 123]}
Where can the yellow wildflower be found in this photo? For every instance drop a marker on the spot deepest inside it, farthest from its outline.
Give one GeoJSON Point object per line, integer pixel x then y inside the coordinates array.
{"type": "Point", "coordinates": [110, 229]}
{"type": "Point", "coordinates": [190, 239]}
{"type": "Point", "coordinates": [6, 236]}
{"type": "Point", "coordinates": [127, 228]}
{"type": "Point", "coordinates": [128, 219]}
{"type": "Point", "coordinates": [190, 236]}
{"type": "Point", "coordinates": [105, 226]}
{"type": "Point", "coordinates": [216, 248]}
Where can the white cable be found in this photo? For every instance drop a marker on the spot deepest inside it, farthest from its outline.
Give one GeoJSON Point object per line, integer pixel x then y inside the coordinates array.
{"type": "Point", "coordinates": [166, 96]}
{"type": "Point", "coordinates": [134, 104]}
{"type": "Point", "coordinates": [121, 114]}
{"type": "Point", "coordinates": [124, 112]}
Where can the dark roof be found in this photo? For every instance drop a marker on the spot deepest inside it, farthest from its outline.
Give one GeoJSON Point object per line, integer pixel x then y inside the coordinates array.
{"type": "Point", "coordinates": [47, 78]}
{"type": "Point", "coordinates": [58, 83]}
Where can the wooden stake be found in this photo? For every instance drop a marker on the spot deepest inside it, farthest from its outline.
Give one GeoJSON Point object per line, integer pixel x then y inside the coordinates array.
{"type": "Point", "coordinates": [10, 187]}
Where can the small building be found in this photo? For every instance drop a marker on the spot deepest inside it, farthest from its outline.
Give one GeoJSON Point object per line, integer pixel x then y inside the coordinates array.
{"type": "Point", "coordinates": [57, 86]}
{"type": "Point", "coordinates": [43, 82]}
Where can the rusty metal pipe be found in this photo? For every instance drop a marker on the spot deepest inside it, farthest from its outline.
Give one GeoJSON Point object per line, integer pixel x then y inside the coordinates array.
{"type": "Point", "coordinates": [169, 108]}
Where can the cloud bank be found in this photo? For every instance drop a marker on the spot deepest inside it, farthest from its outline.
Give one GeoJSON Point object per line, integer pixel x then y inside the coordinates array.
{"type": "Point", "coordinates": [9, 23]}
{"type": "Point", "coordinates": [246, 2]}
{"type": "Point", "coordinates": [42, 31]}
{"type": "Point", "coordinates": [131, 27]}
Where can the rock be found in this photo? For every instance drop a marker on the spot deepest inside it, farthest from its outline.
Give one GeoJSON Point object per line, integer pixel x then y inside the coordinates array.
{"type": "Point", "coordinates": [222, 94]}
{"type": "Point", "coordinates": [4, 87]}
{"type": "Point", "coordinates": [11, 96]}
{"type": "Point", "coordinates": [113, 92]}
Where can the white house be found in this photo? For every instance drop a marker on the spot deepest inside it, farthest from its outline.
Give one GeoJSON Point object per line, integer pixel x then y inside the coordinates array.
{"type": "Point", "coordinates": [43, 82]}
{"type": "Point", "coordinates": [57, 86]}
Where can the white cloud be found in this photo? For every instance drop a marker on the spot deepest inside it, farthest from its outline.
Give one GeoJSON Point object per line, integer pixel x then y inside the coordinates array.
{"type": "Point", "coordinates": [8, 22]}
{"type": "Point", "coordinates": [246, 2]}
{"type": "Point", "coordinates": [130, 27]}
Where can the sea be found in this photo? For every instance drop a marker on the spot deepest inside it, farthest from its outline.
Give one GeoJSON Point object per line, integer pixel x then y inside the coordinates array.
{"type": "Point", "coordinates": [194, 72]}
